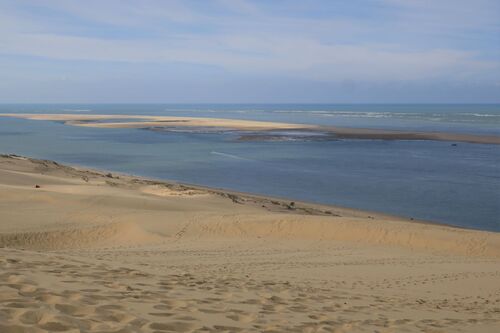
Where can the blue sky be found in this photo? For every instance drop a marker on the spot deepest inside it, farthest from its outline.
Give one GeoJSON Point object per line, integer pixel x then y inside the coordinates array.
{"type": "Point", "coordinates": [250, 51]}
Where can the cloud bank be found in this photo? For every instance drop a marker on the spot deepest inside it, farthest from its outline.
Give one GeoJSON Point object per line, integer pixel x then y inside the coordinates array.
{"type": "Point", "coordinates": [324, 51]}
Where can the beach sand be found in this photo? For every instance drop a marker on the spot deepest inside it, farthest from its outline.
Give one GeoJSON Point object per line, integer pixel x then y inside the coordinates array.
{"type": "Point", "coordinates": [88, 251]}
{"type": "Point", "coordinates": [164, 122]}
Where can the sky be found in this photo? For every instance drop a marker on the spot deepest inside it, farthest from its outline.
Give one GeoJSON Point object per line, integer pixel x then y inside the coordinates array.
{"type": "Point", "coordinates": [242, 51]}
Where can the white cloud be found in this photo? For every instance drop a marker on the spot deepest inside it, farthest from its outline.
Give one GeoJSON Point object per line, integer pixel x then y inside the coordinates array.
{"type": "Point", "coordinates": [296, 57]}
{"type": "Point", "coordinates": [258, 42]}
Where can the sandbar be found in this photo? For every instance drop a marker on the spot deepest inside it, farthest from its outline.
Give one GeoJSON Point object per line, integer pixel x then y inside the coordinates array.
{"type": "Point", "coordinates": [156, 122]}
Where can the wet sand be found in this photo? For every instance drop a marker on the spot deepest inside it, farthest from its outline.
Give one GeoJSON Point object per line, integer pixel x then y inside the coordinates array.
{"type": "Point", "coordinates": [162, 122]}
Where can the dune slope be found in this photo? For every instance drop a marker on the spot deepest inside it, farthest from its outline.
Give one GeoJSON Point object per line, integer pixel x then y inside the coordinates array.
{"type": "Point", "coordinates": [88, 251]}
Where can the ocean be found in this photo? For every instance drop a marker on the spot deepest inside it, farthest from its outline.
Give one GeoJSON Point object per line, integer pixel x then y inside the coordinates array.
{"type": "Point", "coordinates": [431, 180]}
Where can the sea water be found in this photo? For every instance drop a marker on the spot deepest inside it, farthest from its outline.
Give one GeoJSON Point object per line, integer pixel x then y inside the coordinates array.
{"type": "Point", "coordinates": [431, 180]}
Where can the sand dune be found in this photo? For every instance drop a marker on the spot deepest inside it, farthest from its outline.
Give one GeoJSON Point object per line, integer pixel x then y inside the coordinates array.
{"type": "Point", "coordinates": [108, 235]}
{"type": "Point", "coordinates": [88, 251]}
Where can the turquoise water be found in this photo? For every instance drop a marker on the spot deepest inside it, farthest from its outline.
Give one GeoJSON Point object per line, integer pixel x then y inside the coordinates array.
{"type": "Point", "coordinates": [436, 181]}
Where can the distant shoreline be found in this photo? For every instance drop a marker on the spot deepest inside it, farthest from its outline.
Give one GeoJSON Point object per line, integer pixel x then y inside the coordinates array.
{"type": "Point", "coordinates": [262, 128]}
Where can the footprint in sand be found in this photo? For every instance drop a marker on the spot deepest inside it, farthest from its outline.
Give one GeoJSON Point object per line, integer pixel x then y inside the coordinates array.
{"type": "Point", "coordinates": [176, 326]}
{"type": "Point", "coordinates": [161, 314]}
{"type": "Point", "coordinates": [20, 304]}
{"type": "Point", "coordinates": [242, 317]}
{"type": "Point", "coordinates": [13, 329]}
{"type": "Point", "coordinates": [109, 307]}
{"type": "Point", "coordinates": [72, 310]}
{"type": "Point", "coordinates": [220, 328]}
{"type": "Point", "coordinates": [48, 298]}
{"type": "Point", "coordinates": [210, 311]}
{"type": "Point", "coordinates": [175, 304]}
{"type": "Point", "coordinates": [15, 278]}
{"type": "Point", "coordinates": [54, 326]}
{"type": "Point", "coordinates": [122, 318]}
{"type": "Point", "coordinates": [36, 317]}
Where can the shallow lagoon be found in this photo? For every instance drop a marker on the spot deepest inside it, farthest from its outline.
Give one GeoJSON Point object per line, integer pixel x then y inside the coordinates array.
{"type": "Point", "coordinates": [430, 180]}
